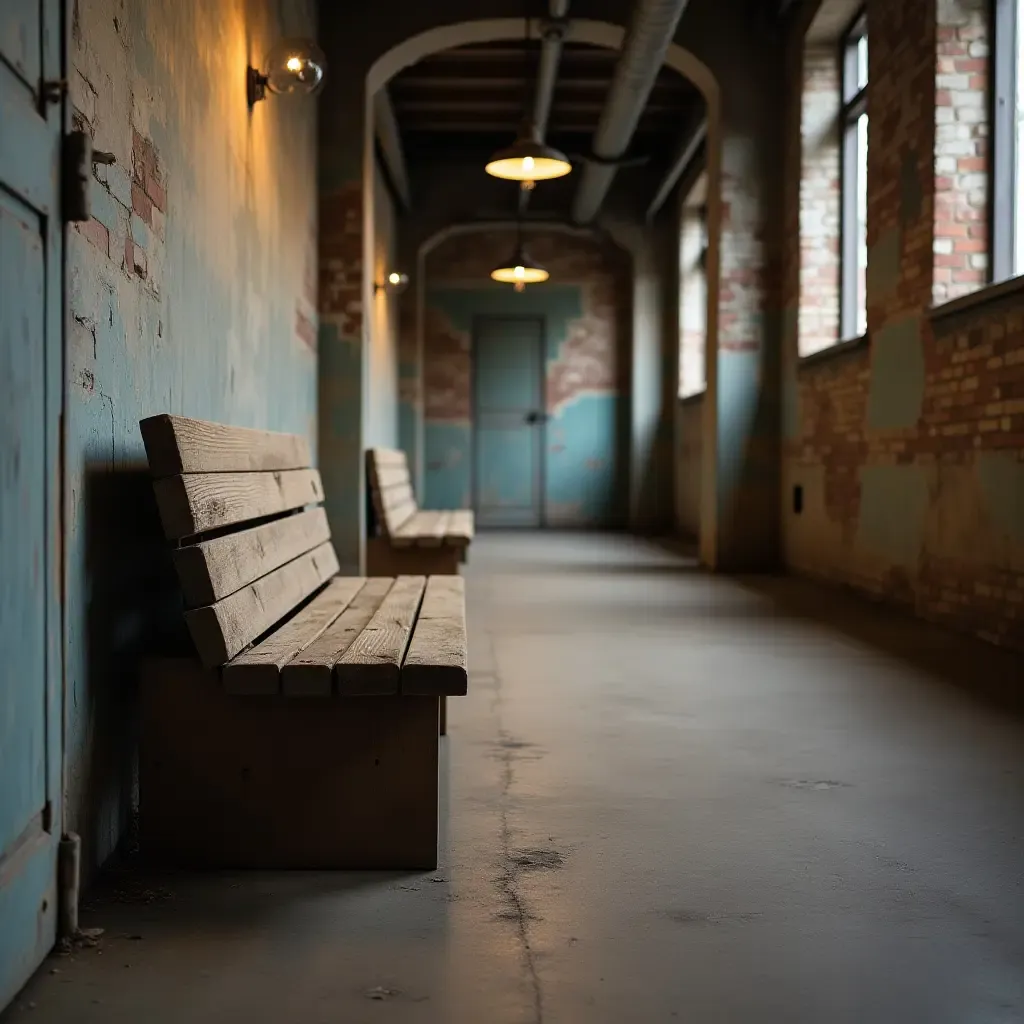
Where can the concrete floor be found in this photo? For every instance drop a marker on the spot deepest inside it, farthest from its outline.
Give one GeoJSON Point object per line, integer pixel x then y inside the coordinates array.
{"type": "Point", "coordinates": [670, 797]}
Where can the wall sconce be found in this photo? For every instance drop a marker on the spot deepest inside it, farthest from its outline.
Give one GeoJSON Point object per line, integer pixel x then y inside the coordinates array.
{"type": "Point", "coordinates": [395, 283]}
{"type": "Point", "coordinates": [294, 66]}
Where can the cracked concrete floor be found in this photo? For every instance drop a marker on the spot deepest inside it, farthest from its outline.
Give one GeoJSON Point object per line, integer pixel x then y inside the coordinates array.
{"type": "Point", "coordinates": [670, 797]}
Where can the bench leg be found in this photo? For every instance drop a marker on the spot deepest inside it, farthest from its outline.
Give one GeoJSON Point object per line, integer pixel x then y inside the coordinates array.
{"type": "Point", "coordinates": [278, 782]}
{"type": "Point", "coordinates": [442, 718]}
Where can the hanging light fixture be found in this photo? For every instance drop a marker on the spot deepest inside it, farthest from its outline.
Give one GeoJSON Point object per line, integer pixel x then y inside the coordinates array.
{"type": "Point", "coordinates": [520, 270]}
{"type": "Point", "coordinates": [529, 159]}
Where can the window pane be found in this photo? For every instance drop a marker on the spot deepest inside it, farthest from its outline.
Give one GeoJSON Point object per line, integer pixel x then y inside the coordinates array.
{"type": "Point", "coordinates": [862, 223]}
{"type": "Point", "coordinates": [1018, 182]}
{"type": "Point", "coordinates": [862, 60]}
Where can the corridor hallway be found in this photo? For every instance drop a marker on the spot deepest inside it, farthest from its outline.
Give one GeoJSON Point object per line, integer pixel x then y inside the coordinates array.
{"type": "Point", "coordinates": [670, 796]}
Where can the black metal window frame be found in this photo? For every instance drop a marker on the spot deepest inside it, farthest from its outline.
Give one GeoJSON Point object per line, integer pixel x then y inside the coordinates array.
{"type": "Point", "coordinates": [1006, 176]}
{"type": "Point", "coordinates": [855, 104]}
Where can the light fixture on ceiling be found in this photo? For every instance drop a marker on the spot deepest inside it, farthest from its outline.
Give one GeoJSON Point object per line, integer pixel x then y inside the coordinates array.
{"type": "Point", "coordinates": [529, 159]}
{"type": "Point", "coordinates": [394, 283]}
{"type": "Point", "coordinates": [293, 66]}
{"type": "Point", "coordinates": [521, 269]}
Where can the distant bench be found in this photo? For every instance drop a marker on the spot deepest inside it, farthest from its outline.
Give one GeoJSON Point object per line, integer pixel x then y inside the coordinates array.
{"type": "Point", "coordinates": [305, 735]}
{"type": "Point", "coordinates": [407, 539]}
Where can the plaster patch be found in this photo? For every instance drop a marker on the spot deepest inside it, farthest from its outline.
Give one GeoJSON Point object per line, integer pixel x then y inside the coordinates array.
{"type": "Point", "coordinates": [897, 375]}
{"type": "Point", "coordinates": [893, 506]}
{"type": "Point", "coordinates": [1001, 476]}
{"type": "Point", "coordinates": [883, 273]}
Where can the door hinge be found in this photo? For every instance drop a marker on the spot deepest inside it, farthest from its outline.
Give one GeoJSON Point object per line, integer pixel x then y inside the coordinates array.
{"type": "Point", "coordinates": [76, 169]}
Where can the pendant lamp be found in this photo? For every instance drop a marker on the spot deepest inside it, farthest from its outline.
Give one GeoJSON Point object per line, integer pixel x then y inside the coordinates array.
{"type": "Point", "coordinates": [529, 159]}
{"type": "Point", "coordinates": [520, 269]}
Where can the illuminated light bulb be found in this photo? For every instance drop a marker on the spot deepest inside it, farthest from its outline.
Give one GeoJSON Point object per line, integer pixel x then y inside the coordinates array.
{"type": "Point", "coordinates": [528, 163]}
{"type": "Point", "coordinates": [520, 272]}
{"type": "Point", "coordinates": [294, 64]}
{"type": "Point", "coordinates": [394, 278]}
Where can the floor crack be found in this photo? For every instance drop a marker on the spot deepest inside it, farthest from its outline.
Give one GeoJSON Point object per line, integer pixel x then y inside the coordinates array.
{"type": "Point", "coordinates": [510, 869]}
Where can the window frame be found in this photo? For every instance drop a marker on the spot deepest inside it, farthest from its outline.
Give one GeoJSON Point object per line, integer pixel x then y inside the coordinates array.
{"type": "Point", "coordinates": [1003, 212]}
{"type": "Point", "coordinates": [854, 99]}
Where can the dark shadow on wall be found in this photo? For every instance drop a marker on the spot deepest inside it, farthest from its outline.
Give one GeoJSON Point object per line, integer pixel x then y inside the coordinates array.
{"type": "Point", "coordinates": [133, 610]}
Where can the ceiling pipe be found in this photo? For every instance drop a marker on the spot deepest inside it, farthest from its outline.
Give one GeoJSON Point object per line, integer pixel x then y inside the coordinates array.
{"type": "Point", "coordinates": [552, 37]}
{"type": "Point", "coordinates": [687, 151]}
{"type": "Point", "coordinates": [643, 53]}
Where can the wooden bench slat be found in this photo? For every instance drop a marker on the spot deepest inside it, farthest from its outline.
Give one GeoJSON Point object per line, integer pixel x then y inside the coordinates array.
{"type": "Point", "coordinates": [435, 664]}
{"type": "Point", "coordinates": [258, 670]}
{"type": "Point", "coordinates": [215, 568]}
{"type": "Point", "coordinates": [221, 630]}
{"type": "Point", "coordinates": [424, 529]}
{"type": "Point", "coordinates": [393, 497]}
{"type": "Point", "coordinates": [396, 518]}
{"type": "Point", "coordinates": [388, 457]}
{"type": "Point", "coordinates": [372, 665]}
{"type": "Point", "coordinates": [391, 476]}
{"type": "Point", "coordinates": [311, 672]}
{"type": "Point", "coordinates": [460, 527]}
{"type": "Point", "coordinates": [178, 444]}
{"type": "Point", "coordinates": [194, 503]}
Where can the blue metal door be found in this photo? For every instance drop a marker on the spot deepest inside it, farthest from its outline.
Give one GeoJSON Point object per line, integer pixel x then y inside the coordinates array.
{"type": "Point", "coordinates": [30, 403]}
{"type": "Point", "coordinates": [509, 420]}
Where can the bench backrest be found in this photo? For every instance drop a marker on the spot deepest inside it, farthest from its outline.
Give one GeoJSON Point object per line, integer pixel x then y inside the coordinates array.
{"type": "Point", "coordinates": [394, 502]}
{"type": "Point", "coordinates": [245, 509]}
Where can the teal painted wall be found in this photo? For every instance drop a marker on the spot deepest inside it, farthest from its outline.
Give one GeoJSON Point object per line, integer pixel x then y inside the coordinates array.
{"type": "Point", "coordinates": [192, 291]}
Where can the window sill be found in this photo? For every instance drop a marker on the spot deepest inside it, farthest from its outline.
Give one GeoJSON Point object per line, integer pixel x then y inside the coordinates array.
{"type": "Point", "coordinates": [837, 351]}
{"type": "Point", "coordinates": [694, 398]}
{"type": "Point", "coordinates": [989, 295]}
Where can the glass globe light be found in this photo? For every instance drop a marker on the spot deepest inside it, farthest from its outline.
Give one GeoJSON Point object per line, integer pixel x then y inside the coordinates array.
{"type": "Point", "coordinates": [293, 66]}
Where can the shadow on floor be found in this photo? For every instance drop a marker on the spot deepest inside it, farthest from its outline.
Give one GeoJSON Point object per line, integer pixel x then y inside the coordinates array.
{"type": "Point", "coordinates": [988, 673]}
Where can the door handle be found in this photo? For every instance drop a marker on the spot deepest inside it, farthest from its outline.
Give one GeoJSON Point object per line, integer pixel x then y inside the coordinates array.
{"type": "Point", "coordinates": [533, 417]}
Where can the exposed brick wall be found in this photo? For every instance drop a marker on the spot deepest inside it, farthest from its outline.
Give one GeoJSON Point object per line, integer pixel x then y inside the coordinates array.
{"type": "Point", "coordinates": [819, 200]}
{"type": "Point", "coordinates": [910, 449]}
{"type": "Point", "coordinates": [341, 258]}
{"type": "Point", "coordinates": [961, 148]}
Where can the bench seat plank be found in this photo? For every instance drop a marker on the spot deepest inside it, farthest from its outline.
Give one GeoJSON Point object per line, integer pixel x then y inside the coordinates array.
{"type": "Point", "coordinates": [460, 528]}
{"type": "Point", "coordinates": [372, 665]}
{"type": "Point", "coordinates": [194, 503]}
{"type": "Point", "coordinates": [425, 529]}
{"type": "Point", "coordinates": [389, 457]}
{"type": "Point", "coordinates": [221, 630]}
{"type": "Point", "coordinates": [258, 670]}
{"type": "Point", "coordinates": [177, 444]}
{"type": "Point", "coordinates": [311, 672]}
{"type": "Point", "coordinates": [435, 664]}
{"type": "Point", "coordinates": [215, 568]}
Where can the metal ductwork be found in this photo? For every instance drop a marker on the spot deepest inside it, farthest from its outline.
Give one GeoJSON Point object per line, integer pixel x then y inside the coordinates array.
{"type": "Point", "coordinates": [552, 38]}
{"type": "Point", "coordinates": [643, 53]}
{"type": "Point", "coordinates": [550, 54]}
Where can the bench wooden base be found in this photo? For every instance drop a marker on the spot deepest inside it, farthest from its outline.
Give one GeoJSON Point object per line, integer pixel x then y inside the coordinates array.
{"type": "Point", "coordinates": [277, 782]}
{"type": "Point", "coordinates": [384, 559]}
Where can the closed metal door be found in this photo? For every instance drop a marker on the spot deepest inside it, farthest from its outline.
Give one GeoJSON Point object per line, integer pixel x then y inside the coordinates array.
{"type": "Point", "coordinates": [509, 420]}
{"type": "Point", "coordinates": [30, 402]}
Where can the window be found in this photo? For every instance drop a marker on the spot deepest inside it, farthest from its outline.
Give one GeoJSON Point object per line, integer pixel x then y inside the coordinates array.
{"type": "Point", "coordinates": [854, 215]}
{"type": "Point", "coordinates": [1008, 171]}
{"type": "Point", "coordinates": [693, 295]}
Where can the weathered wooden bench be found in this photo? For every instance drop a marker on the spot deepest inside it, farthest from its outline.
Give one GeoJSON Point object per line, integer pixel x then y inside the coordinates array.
{"type": "Point", "coordinates": [402, 537]}
{"type": "Point", "coordinates": [305, 734]}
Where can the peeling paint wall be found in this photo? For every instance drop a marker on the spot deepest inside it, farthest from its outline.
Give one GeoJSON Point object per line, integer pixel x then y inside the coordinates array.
{"type": "Point", "coordinates": [910, 448]}
{"type": "Point", "coordinates": [586, 312]}
{"type": "Point", "coordinates": [192, 290]}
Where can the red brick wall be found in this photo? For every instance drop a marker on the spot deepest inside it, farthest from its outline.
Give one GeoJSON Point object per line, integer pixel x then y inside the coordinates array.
{"type": "Point", "coordinates": [910, 449]}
